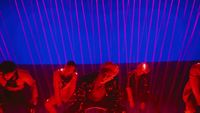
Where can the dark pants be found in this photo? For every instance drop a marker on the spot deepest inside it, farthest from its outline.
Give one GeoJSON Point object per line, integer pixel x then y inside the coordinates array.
{"type": "Point", "coordinates": [198, 109]}
{"type": "Point", "coordinates": [15, 102]}
{"type": "Point", "coordinates": [10, 108]}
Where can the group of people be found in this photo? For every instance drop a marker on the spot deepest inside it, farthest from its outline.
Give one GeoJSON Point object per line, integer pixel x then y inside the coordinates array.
{"type": "Point", "coordinates": [97, 92]}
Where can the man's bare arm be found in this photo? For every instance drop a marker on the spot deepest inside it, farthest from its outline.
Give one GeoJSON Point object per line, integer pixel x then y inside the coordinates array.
{"type": "Point", "coordinates": [129, 92]}
{"type": "Point", "coordinates": [57, 87]}
{"type": "Point", "coordinates": [32, 83]}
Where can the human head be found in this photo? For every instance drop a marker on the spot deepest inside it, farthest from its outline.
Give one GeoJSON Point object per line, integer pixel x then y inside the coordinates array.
{"type": "Point", "coordinates": [69, 68]}
{"type": "Point", "coordinates": [195, 70]}
{"type": "Point", "coordinates": [8, 68]}
{"type": "Point", "coordinates": [109, 69]}
{"type": "Point", "coordinates": [143, 68]}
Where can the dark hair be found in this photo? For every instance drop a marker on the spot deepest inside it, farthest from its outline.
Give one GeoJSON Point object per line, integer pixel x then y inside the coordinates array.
{"type": "Point", "coordinates": [71, 63]}
{"type": "Point", "coordinates": [106, 67]}
{"type": "Point", "coordinates": [7, 66]}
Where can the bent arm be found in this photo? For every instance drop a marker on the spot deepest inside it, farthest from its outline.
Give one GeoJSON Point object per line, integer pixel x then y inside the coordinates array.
{"type": "Point", "coordinates": [32, 83]}
{"type": "Point", "coordinates": [57, 87]}
{"type": "Point", "coordinates": [194, 82]}
{"type": "Point", "coordinates": [129, 92]}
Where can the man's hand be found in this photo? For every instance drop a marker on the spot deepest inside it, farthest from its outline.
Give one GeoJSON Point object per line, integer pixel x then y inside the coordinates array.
{"type": "Point", "coordinates": [34, 101]}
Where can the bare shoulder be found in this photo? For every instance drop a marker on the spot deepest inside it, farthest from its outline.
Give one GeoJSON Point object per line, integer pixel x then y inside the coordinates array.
{"type": "Point", "coordinates": [24, 74]}
{"type": "Point", "coordinates": [57, 72]}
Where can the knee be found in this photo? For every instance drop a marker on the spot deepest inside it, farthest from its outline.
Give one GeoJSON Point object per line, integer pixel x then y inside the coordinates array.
{"type": "Point", "coordinates": [48, 104]}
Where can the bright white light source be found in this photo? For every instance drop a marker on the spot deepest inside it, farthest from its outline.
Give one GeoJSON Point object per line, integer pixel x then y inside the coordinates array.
{"type": "Point", "coordinates": [61, 69]}
{"type": "Point", "coordinates": [144, 66]}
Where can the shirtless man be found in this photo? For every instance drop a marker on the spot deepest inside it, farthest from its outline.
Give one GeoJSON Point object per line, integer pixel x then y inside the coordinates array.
{"type": "Point", "coordinates": [64, 82]}
{"type": "Point", "coordinates": [191, 93]}
{"type": "Point", "coordinates": [14, 84]}
{"type": "Point", "coordinates": [138, 87]}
